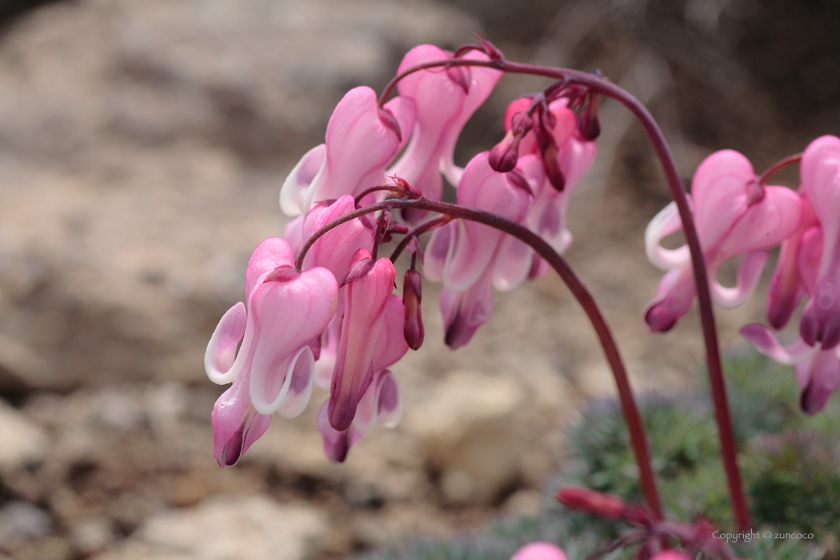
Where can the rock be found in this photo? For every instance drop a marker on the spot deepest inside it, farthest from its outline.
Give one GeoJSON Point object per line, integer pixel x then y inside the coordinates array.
{"type": "Point", "coordinates": [228, 528]}
{"type": "Point", "coordinates": [23, 521]}
{"type": "Point", "coordinates": [464, 422]}
{"type": "Point", "coordinates": [22, 443]}
{"type": "Point", "coordinates": [93, 535]}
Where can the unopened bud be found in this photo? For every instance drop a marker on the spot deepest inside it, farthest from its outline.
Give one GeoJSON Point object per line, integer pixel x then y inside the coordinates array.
{"type": "Point", "coordinates": [608, 506]}
{"type": "Point", "coordinates": [358, 270]}
{"type": "Point", "coordinates": [406, 188]}
{"type": "Point", "coordinates": [412, 294]}
{"type": "Point", "coordinates": [505, 155]}
{"type": "Point", "coordinates": [461, 76]}
{"type": "Point", "coordinates": [588, 124]}
{"type": "Point", "coordinates": [491, 50]}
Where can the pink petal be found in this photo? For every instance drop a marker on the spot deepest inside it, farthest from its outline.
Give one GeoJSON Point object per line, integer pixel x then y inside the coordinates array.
{"type": "Point", "coordinates": [719, 192]}
{"type": "Point", "coordinates": [270, 254]}
{"type": "Point", "coordinates": [359, 146]}
{"type": "Point", "coordinates": [236, 424]}
{"type": "Point", "coordinates": [464, 312]}
{"type": "Point", "coordinates": [539, 551]}
{"type": "Point", "coordinates": [440, 248]}
{"type": "Point", "coordinates": [666, 222]}
{"type": "Point", "coordinates": [221, 351]}
{"type": "Point", "coordinates": [765, 341]}
{"type": "Point", "coordinates": [293, 192]}
{"type": "Point", "coordinates": [823, 380]}
{"type": "Point", "coordinates": [673, 300]}
{"type": "Point", "coordinates": [749, 273]}
{"type": "Point", "coordinates": [335, 249]}
{"type": "Point", "coordinates": [765, 223]}
{"type": "Point", "coordinates": [485, 189]}
{"type": "Point", "coordinates": [287, 314]}
{"type": "Point", "coordinates": [336, 443]}
{"type": "Point", "coordinates": [365, 303]}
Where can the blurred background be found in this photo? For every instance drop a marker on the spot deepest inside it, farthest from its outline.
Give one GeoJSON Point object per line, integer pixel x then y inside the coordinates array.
{"type": "Point", "coordinates": [142, 148]}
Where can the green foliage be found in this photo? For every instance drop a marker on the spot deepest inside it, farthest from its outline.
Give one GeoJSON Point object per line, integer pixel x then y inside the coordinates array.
{"type": "Point", "coordinates": [790, 465]}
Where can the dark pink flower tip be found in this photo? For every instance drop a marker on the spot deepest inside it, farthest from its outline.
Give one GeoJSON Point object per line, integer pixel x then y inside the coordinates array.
{"type": "Point", "coordinates": [822, 379]}
{"type": "Point", "coordinates": [236, 425]}
{"type": "Point", "coordinates": [505, 154]}
{"type": "Point", "coordinates": [540, 551]}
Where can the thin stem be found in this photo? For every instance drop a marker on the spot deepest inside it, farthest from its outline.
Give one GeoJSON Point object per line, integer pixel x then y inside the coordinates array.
{"type": "Point", "coordinates": [795, 158]}
{"type": "Point", "coordinates": [417, 231]}
{"type": "Point", "coordinates": [701, 281]}
{"type": "Point", "coordinates": [638, 440]}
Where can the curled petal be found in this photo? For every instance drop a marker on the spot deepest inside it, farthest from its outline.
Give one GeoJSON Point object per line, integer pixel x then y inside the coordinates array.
{"type": "Point", "coordinates": [666, 222]}
{"type": "Point", "coordinates": [381, 404]}
{"type": "Point", "coordinates": [749, 273]}
{"type": "Point", "coordinates": [293, 192]}
{"type": "Point", "coordinates": [765, 341]}
{"type": "Point", "coordinates": [221, 351]}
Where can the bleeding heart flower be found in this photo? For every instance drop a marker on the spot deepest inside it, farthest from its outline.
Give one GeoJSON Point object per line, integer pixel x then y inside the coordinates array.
{"type": "Point", "coordinates": [273, 370]}
{"type": "Point", "coordinates": [734, 216]}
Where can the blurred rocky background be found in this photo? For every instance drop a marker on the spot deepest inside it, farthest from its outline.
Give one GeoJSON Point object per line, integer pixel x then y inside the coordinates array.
{"type": "Point", "coordinates": [142, 147]}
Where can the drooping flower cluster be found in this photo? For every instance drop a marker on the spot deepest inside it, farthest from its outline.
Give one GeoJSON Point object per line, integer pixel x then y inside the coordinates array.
{"type": "Point", "coordinates": [737, 216]}
{"type": "Point", "coordinates": [329, 317]}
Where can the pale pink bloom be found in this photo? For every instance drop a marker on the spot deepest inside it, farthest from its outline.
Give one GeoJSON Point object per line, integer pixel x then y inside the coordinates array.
{"type": "Point", "coordinates": [539, 551]}
{"type": "Point", "coordinates": [820, 170]}
{"type": "Point", "coordinates": [445, 99]}
{"type": "Point", "coordinates": [273, 370]}
{"type": "Point", "coordinates": [469, 257]}
{"type": "Point", "coordinates": [361, 140]}
{"type": "Point", "coordinates": [817, 371]}
{"type": "Point", "coordinates": [371, 336]}
{"type": "Point", "coordinates": [733, 216]}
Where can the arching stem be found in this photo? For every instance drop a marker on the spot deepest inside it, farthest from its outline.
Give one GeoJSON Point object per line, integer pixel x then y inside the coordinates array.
{"type": "Point", "coordinates": [701, 281]}
{"type": "Point", "coordinates": [782, 163]}
{"type": "Point", "coordinates": [638, 440]}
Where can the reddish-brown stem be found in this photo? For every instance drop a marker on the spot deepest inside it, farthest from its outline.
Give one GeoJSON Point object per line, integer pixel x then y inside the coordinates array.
{"type": "Point", "coordinates": [638, 440]}
{"type": "Point", "coordinates": [417, 231]}
{"type": "Point", "coordinates": [596, 84]}
{"type": "Point", "coordinates": [782, 163]}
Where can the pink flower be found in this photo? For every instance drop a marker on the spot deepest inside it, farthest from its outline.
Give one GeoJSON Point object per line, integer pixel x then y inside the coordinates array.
{"type": "Point", "coordinates": [361, 140]}
{"type": "Point", "coordinates": [445, 100]}
{"type": "Point", "coordinates": [368, 302]}
{"type": "Point", "coordinates": [820, 171]}
{"type": "Point", "coordinates": [734, 216]}
{"type": "Point", "coordinates": [817, 371]}
{"type": "Point", "coordinates": [539, 551]}
{"type": "Point", "coordinates": [470, 257]}
{"type": "Point", "coordinates": [284, 311]}
{"type": "Point", "coordinates": [380, 402]}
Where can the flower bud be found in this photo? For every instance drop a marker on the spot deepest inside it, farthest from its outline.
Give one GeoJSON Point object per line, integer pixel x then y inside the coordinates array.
{"type": "Point", "coordinates": [608, 506]}
{"type": "Point", "coordinates": [505, 155]}
{"type": "Point", "coordinates": [412, 294]}
{"type": "Point", "coordinates": [588, 125]}
{"type": "Point", "coordinates": [551, 161]}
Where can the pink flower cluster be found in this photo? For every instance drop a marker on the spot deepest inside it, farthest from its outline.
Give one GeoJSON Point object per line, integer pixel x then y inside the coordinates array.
{"type": "Point", "coordinates": [737, 216]}
{"type": "Point", "coordinates": [335, 322]}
